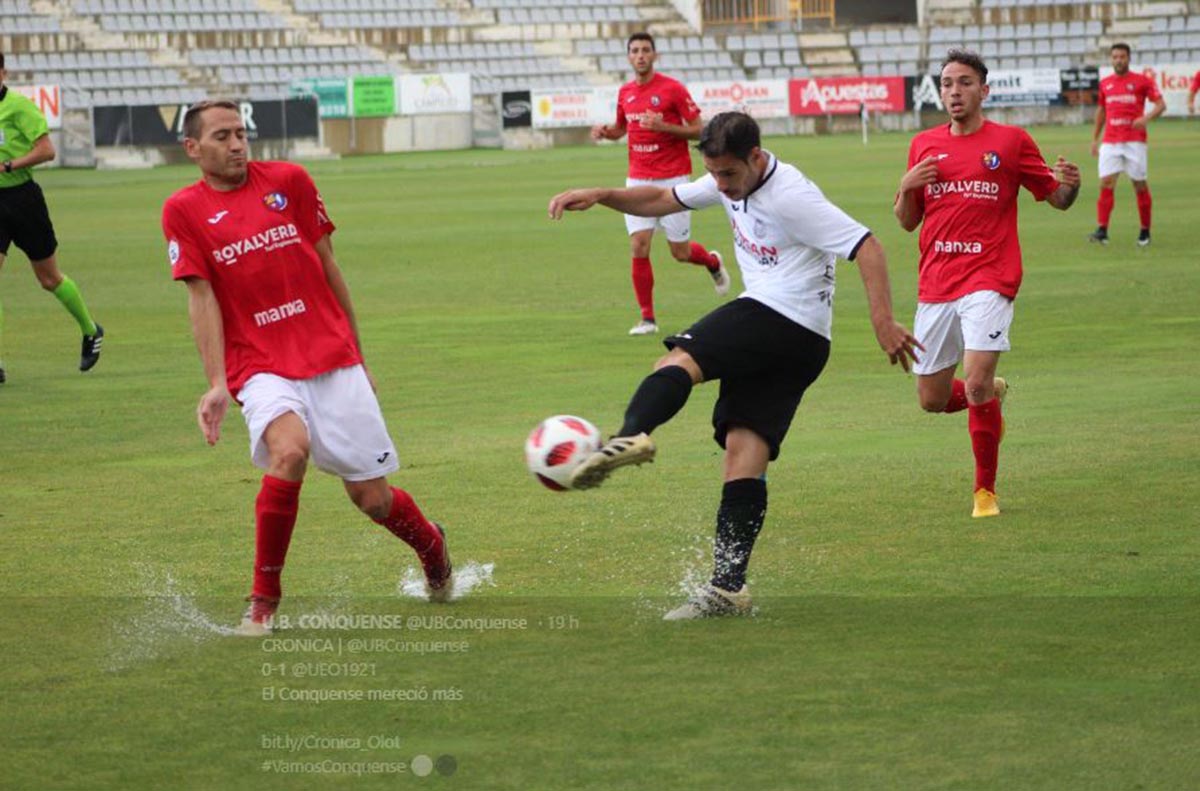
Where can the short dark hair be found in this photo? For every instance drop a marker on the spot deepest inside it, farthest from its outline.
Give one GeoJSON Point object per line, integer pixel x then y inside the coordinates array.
{"type": "Point", "coordinates": [730, 133]}
{"type": "Point", "coordinates": [640, 37]}
{"type": "Point", "coordinates": [966, 58]}
{"type": "Point", "coordinates": [1120, 45]}
{"type": "Point", "coordinates": [192, 119]}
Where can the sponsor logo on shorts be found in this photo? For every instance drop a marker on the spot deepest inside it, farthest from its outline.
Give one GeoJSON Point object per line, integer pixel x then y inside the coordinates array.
{"type": "Point", "coordinates": [268, 241]}
{"type": "Point", "coordinates": [996, 334]}
{"type": "Point", "coordinates": [955, 247]}
{"type": "Point", "coordinates": [279, 313]}
{"type": "Point", "coordinates": [381, 458]}
{"type": "Point", "coordinates": [991, 160]}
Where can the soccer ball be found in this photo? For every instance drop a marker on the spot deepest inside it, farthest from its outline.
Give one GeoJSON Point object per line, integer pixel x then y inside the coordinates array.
{"type": "Point", "coordinates": [558, 445]}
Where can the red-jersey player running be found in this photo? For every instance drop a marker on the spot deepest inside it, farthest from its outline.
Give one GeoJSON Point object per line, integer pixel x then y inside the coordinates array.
{"type": "Point", "coordinates": [275, 329]}
{"type": "Point", "coordinates": [660, 117]}
{"type": "Point", "coordinates": [1121, 115]}
{"type": "Point", "coordinates": [961, 188]}
{"type": "Point", "coordinates": [1192, 91]}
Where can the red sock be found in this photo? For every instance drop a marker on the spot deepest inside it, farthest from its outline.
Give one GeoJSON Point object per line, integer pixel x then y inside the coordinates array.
{"type": "Point", "coordinates": [958, 396]}
{"type": "Point", "coordinates": [406, 522]}
{"type": "Point", "coordinates": [983, 422]}
{"type": "Point", "coordinates": [275, 512]}
{"type": "Point", "coordinates": [1104, 207]}
{"type": "Point", "coordinates": [1143, 202]}
{"type": "Point", "coordinates": [698, 255]}
{"type": "Point", "coordinates": [643, 286]}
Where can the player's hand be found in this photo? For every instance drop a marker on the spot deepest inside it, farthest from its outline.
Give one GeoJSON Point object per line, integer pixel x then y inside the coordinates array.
{"type": "Point", "coordinates": [1066, 172]}
{"type": "Point", "coordinates": [1095, 149]}
{"type": "Point", "coordinates": [921, 175]}
{"type": "Point", "coordinates": [654, 122]}
{"type": "Point", "coordinates": [1139, 122]}
{"type": "Point", "coordinates": [600, 132]}
{"type": "Point", "coordinates": [573, 200]}
{"type": "Point", "coordinates": [211, 411]}
{"type": "Point", "coordinates": [900, 344]}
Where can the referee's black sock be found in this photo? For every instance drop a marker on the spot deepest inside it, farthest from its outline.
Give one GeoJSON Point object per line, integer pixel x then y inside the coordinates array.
{"type": "Point", "coordinates": [658, 398]}
{"type": "Point", "coordinates": [740, 517]}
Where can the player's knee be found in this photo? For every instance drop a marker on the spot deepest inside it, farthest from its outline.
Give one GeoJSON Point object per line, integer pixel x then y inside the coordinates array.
{"type": "Point", "coordinates": [374, 501]}
{"type": "Point", "coordinates": [289, 460]}
{"type": "Point", "coordinates": [933, 402]}
{"type": "Point", "coordinates": [682, 252]}
{"type": "Point", "coordinates": [49, 280]}
{"type": "Point", "coordinates": [980, 390]}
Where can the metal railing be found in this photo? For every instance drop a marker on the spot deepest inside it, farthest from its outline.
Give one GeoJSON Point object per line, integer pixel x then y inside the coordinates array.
{"type": "Point", "coordinates": [762, 12]}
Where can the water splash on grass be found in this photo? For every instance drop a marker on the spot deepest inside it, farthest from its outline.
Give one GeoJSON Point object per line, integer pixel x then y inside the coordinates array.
{"type": "Point", "coordinates": [467, 577]}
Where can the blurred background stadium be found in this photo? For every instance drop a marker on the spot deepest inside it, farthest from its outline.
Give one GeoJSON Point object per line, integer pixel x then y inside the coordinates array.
{"type": "Point", "coordinates": [526, 73]}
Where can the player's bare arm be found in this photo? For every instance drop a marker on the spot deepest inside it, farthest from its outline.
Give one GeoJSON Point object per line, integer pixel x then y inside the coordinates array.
{"type": "Point", "coordinates": [894, 338]}
{"type": "Point", "coordinates": [689, 130]}
{"type": "Point", "coordinates": [607, 132]}
{"type": "Point", "coordinates": [42, 151]}
{"type": "Point", "coordinates": [1067, 175]}
{"type": "Point", "coordinates": [1097, 130]}
{"type": "Point", "coordinates": [641, 201]}
{"type": "Point", "coordinates": [907, 208]}
{"type": "Point", "coordinates": [205, 313]}
{"type": "Point", "coordinates": [1159, 108]}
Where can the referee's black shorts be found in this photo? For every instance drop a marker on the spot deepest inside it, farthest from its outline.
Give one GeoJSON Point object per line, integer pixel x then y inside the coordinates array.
{"type": "Point", "coordinates": [25, 220]}
{"type": "Point", "coordinates": [765, 362]}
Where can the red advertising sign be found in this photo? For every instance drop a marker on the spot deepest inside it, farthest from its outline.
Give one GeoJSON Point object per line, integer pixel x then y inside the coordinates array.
{"type": "Point", "coordinates": [845, 95]}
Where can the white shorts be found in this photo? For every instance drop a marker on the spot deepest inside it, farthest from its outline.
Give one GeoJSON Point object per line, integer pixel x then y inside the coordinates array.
{"type": "Point", "coordinates": [1128, 158]}
{"type": "Point", "coordinates": [976, 322]}
{"type": "Point", "coordinates": [346, 433]}
{"type": "Point", "coordinates": [678, 226]}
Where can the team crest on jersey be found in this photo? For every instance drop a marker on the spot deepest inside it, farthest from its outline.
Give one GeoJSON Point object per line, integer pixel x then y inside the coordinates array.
{"type": "Point", "coordinates": [991, 160]}
{"type": "Point", "coordinates": [275, 201]}
{"type": "Point", "coordinates": [1129, 86]}
{"type": "Point", "coordinates": [654, 100]}
{"type": "Point", "coordinates": [760, 230]}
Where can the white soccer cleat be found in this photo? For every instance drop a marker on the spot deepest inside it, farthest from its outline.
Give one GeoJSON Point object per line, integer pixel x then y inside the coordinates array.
{"type": "Point", "coordinates": [712, 602]}
{"type": "Point", "coordinates": [720, 277]}
{"type": "Point", "coordinates": [259, 618]}
{"type": "Point", "coordinates": [617, 452]}
{"type": "Point", "coordinates": [644, 327]}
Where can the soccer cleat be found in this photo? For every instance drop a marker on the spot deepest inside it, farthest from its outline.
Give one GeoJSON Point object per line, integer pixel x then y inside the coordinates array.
{"type": "Point", "coordinates": [712, 602]}
{"type": "Point", "coordinates": [89, 353]}
{"type": "Point", "coordinates": [720, 275]}
{"type": "Point", "coordinates": [439, 576]}
{"type": "Point", "coordinates": [644, 327]}
{"type": "Point", "coordinates": [1144, 238]}
{"type": "Point", "coordinates": [985, 504]}
{"type": "Point", "coordinates": [3, 377]}
{"type": "Point", "coordinates": [1000, 387]}
{"type": "Point", "coordinates": [617, 452]}
{"type": "Point", "coordinates": [259, 618]}
{"type": "Point", "coordinates": [1099, 235]}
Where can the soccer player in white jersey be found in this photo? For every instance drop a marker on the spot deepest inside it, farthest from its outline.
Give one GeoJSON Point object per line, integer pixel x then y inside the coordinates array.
{"type": "Point", "coordinates": [766, 347]}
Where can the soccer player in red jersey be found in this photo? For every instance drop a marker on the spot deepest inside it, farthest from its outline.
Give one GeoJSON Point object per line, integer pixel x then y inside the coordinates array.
{"type": "Point", "coordinates": [1121, 115]}
{"type": "Point", "coordinates": [1192, 91]}
{"type": "Point", "coordinates": [275, 328]}
{"type": "Point", "coordinates": [961, 188]}
{"type": "Point", "coordinates": [660, 117]}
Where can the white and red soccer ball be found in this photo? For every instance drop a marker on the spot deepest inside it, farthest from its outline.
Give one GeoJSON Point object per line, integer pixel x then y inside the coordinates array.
{"type": "Point", "coordinates": [558, 445]}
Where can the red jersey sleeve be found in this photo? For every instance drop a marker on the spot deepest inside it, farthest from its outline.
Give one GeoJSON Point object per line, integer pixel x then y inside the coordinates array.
{"type": "Point", "coordinates": [622, 121]}
{"type": "Point", "coordinates": [311, 217]}
{"type": "Point", "coordinates": [1195, 83]}
{"type": "Point", "coordinates": [185, 255]}
{"type": "Point", "coordinates": [1036, 176]}
{"type": "Point", "coordinates": [1152, 92]}
{"type": "Point", "coordinates": [688, 110]}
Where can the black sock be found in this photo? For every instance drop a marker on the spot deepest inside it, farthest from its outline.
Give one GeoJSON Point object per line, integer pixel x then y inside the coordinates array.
{"type": "Point", "coordinates": [740, 517]}
{"type": "Point", "coordinates": [658, 398]}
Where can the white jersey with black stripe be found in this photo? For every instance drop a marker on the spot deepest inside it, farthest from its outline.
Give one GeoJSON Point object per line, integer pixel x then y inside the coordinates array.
{"type": "Point", "coordinates": [787, 236]}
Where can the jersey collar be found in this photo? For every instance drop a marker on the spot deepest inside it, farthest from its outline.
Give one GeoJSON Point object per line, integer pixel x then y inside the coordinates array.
{"type": "Point", "coordinates": [772, 165]}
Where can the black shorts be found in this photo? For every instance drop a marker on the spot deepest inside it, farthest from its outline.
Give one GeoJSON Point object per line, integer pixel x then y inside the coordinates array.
{"type": "Point", "coordinates": [25, 220]}
{"type": "Point", "coordinates": [765, 362]}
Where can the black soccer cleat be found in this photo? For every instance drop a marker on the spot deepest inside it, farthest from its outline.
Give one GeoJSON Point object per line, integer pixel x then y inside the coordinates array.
{"type": "Point", "coordinates": [89, 352]}
{"type": "Point", "coordinates": [1099, 235]}
{"type": "Point", "coordinates": [3, 378]}
{"type": "Point", "coordinates": [1144, 238]}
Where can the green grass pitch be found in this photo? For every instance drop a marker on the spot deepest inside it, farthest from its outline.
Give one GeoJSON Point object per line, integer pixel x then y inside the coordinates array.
{"type": "Point", "coordinates": [897, 644]}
